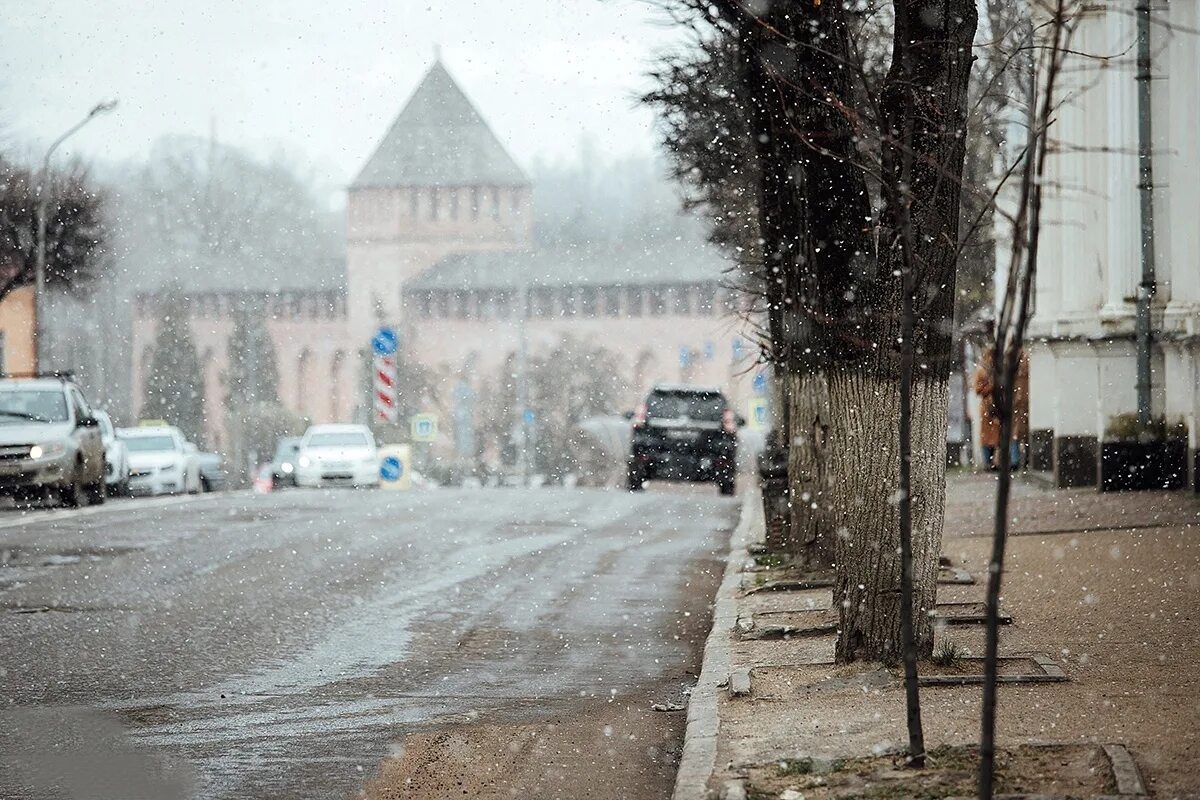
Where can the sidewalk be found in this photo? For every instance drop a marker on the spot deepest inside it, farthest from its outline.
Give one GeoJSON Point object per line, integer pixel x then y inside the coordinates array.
{"type": "Point", "coordinates": [1103, 590]}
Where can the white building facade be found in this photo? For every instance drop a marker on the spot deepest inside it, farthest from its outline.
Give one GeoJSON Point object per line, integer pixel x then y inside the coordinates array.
{"type": "Point", "coordinates": [1083, 349]}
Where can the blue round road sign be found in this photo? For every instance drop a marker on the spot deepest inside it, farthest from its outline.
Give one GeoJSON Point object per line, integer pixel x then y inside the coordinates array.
{"type": "Point", "coordinates": [384, 342]}
{"type": "Point", "coordinates": [390, 469]}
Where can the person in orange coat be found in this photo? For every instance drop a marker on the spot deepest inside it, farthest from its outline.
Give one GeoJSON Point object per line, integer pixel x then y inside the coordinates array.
{"type": "Point", "coordinates": [1020, 427]}
{"type": "Point", "coordinates": [989, 422]}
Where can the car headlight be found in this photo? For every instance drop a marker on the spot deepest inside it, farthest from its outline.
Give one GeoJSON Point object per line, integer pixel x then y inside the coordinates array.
{"type": "Point", "coordinates": [286, 468]}
{"type": "Point", "coordinates": [169, 468]}
{"type": "Point", "coordinates": [305, 461]}
{"type": "Point", "coordinates": [47, 450]}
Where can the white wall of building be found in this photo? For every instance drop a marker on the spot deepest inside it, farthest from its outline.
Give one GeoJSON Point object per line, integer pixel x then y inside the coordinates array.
{"type": "Point", "coordinates": [1083, 351]}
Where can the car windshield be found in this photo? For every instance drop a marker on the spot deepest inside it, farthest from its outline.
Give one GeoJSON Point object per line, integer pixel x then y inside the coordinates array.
{"type": "Point", "coordinates": [149, 444]}
{"type": "Point", "coordinates": [32, 405]}
{"type": "Point", "coordinates": [286, 449]}
{"type": "Point", "coordinates": [348, 439]}
{"type": "Point", "coordinates": [702, 407]}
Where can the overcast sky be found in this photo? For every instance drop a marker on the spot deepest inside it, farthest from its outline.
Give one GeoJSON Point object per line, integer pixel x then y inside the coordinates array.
{"type": "Point", "coordinates": [322, 79]}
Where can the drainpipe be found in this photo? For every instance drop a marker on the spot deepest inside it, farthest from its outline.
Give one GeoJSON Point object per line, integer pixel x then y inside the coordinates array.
{"type": "Point", "coordinates": [1147, 286]}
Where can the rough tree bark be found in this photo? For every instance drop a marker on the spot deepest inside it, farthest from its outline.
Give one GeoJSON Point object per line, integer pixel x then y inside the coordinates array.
{"type": "Point", "coordinates": [812, 530]}
{"type": "Point", "coordinates": [923, 101]}
{"type": "Point", "coordinates": [813, 207]}
{"type": "Point", "coordinates": [864, 466]}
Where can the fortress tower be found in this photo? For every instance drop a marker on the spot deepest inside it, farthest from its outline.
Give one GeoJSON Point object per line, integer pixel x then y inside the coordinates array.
{"type": "Point", "coordinates": [440, 183]}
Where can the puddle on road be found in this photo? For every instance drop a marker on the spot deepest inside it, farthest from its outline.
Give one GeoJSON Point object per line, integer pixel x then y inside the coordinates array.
{"type": "Point", "coordinates": [276, 700]}
{"type": "Point", "coordinates": [24, 557]}
{"type": "Point", "coordinates": [249, 515]}
{"type": "Point", "coordinates": [34, 609]}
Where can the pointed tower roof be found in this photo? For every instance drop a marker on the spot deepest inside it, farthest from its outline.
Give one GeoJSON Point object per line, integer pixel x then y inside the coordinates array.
{"type": "Point", "coordinates": [439, 139]}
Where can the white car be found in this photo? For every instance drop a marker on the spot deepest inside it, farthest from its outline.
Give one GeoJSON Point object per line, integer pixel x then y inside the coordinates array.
{"type": "Point", "coordinates": [160, 461]}
{"type": "Point", "coordinates": [337, 455]}
{"type": "Point", "coordinates": [116, 455]}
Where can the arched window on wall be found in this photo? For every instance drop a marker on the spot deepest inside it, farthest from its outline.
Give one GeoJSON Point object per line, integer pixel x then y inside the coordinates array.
{"type": "Point", "coordinates": [147, 363]}
{"type": "Point", "coordinates": [337, 386]}
{"type": "Point", "coordinates": [210, 384]}
{"type": "Point", "coordinates": [303, 389]}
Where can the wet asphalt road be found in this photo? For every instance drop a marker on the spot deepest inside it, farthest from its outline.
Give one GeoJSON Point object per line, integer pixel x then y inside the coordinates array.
{"type": "Point", "coordinates": [283, 645]}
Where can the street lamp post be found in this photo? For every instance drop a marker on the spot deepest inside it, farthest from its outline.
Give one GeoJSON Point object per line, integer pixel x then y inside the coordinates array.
{"type": "Point", "coordinates": [523, 382]}
{"type": "Point", "coordinates": [39, 291]}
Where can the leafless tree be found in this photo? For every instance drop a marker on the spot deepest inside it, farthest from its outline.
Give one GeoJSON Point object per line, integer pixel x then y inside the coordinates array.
{"type": "Point", "coordinates": [1051, 42]}
{"type": "Point", "coordinates": [76, 230]}
{"type": "Point", "coordinates": [829, 134]}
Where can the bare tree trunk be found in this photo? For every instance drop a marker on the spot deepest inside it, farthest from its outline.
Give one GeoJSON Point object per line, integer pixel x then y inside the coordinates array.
{"type": "Point", "coordinates": [912, 691]}
{"type": "Point", "coordinates": [923, 110]}
{"type": "Point", "coordinates": [812, 532]}
{"type": "Point", "coordinates": [1015, 312]}
{"type": "Point", "coordinates": [864, 467]}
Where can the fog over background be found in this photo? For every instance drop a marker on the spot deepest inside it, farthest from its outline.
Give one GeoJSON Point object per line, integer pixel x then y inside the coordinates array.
{"type": "Point", "coordinates": [318, 82]}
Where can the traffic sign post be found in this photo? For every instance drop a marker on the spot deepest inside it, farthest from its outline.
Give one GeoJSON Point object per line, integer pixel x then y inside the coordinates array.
{"type": "Point", "coordinates": [395, 467]}
{"type": "Point", "coordinates": [385, 342]}
{"type": "Point", "coordinates": [423, 427]}
{"type": "Point", "coordinates": [384, 345]}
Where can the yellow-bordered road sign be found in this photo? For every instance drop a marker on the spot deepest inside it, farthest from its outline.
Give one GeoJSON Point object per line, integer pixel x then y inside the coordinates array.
{"type": "Point", "coordinates": [424, 427]}
{"type": "Point", "coordinates": [757, 418]}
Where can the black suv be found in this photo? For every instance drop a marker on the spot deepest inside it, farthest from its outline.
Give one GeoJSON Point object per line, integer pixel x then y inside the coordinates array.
{"type": "Point", "coordinates": [684, 433]}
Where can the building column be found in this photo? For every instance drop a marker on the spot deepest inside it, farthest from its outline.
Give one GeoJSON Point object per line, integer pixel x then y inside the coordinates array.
{"type": "Point", "coordinates": [1119, 90]}
{"type": "Point", "coordinates": [1182, 224]}
{"type": "Point", "coordinates": [1075, 209]}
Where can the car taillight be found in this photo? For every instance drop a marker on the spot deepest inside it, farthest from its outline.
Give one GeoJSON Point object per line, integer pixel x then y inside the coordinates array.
{"type": "Point", "coordinates": [639, 416]}
{"type": "Point", "coordinates": [728, 421]}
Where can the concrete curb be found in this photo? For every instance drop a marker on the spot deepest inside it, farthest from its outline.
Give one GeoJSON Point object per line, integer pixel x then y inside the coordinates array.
{"type": "Point", "coordinates": [699, 758]}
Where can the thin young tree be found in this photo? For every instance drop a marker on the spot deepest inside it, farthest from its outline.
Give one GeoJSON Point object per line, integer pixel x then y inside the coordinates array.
{"type": "Point", "coordinates": [1053, 35]}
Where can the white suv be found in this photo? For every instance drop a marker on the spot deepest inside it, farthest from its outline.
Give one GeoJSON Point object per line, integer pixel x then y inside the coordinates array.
{"type": "Point", "coordinates": [337, 455]}
{"type": "Point", "coordinates": [50, 444]}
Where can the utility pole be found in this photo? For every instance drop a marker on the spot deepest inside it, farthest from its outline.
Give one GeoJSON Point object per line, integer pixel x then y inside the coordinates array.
{"type": "Point", "coordinates": [39, 292]}
{"type": "Point", "coordinates": [1147, 287]}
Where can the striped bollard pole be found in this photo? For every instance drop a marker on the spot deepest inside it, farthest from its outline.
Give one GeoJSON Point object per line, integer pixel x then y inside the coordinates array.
{"type": "Point", "coordinates": [385, 389]}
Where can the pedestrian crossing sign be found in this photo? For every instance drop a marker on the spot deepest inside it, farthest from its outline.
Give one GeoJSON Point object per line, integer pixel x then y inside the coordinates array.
{"type": "Point", "coordinates": [423, 427]}
{"type": "Point", "coordinates": [757, 418]}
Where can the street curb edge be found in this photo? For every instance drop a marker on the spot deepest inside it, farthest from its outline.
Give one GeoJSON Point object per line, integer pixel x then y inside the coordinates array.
{"type": "Point", "coordinates": [699, 758]}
